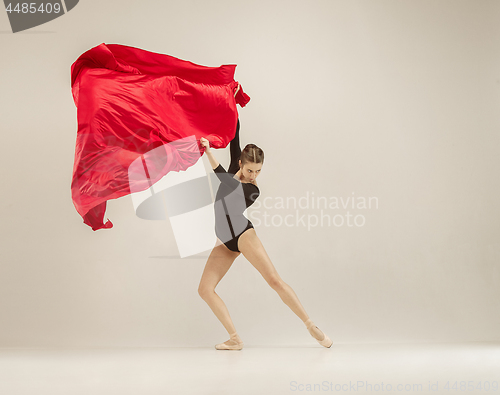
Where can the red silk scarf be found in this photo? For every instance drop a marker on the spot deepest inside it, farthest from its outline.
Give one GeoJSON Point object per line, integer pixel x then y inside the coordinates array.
{"type": "Point", "coordinates": [139, 105]}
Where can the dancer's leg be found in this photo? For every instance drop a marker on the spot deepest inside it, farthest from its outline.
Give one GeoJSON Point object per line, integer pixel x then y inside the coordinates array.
{"type": "Point", "coordinates": [218, 263]}
{"type": "Point", "coordinates": [252, 249]}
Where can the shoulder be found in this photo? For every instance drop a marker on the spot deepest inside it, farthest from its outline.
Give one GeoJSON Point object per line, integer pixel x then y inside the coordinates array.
{"type": "Point", "coordinates": [250, 184]}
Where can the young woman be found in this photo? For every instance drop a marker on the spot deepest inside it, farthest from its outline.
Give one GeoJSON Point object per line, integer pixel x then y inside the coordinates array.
{"type": "Point", "coordinates": [235, 234]}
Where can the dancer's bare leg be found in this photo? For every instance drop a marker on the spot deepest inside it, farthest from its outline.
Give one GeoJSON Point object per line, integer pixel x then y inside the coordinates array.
{"type": "Point", "coordinates": [252, 249]}
{"type": "Point", "coordinates": [218, 263]}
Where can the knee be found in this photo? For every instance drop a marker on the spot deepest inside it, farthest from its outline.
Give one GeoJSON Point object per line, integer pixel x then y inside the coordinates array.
{"type": "Point", "coordinates": [276, 283]}
{"type": "Point", "coordinates": [204, 292]}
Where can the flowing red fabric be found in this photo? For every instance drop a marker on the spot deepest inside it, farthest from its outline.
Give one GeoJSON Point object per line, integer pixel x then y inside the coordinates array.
{"type": "Point", "coordinates": [139, 105]}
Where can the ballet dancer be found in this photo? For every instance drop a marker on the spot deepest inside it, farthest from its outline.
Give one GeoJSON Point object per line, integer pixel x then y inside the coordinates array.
{"type": "Point", "coordinates": [236, 235]}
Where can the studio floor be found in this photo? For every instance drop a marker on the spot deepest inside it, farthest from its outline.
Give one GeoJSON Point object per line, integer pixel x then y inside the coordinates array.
{"type": "Point", "coordinates": [437, 368]}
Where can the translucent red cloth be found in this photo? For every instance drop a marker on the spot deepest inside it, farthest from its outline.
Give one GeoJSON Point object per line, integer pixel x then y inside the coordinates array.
{"type": "Point", "coordinates": [130, 102]}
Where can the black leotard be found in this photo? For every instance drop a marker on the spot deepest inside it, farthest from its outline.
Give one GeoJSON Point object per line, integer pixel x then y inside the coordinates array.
{"type": "Point", "coordinates": [232, 199]}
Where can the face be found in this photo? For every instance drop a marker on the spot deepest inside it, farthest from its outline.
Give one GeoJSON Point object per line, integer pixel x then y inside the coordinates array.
{"type": "Point", "coordinates": [250, 170]}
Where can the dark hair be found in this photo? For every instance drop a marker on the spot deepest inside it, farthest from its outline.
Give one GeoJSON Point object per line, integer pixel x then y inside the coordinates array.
{"type": "Point", "coordinates": [251, 153]}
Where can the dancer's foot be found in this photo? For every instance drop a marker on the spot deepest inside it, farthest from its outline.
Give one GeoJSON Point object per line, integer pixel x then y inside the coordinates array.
{"type": "Point", "coordinates": [234, 343]}
{"type": "Point", "coordinates": [318, 334]}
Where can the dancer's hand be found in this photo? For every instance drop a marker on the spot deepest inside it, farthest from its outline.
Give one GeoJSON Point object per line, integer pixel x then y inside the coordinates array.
{"type": "Point", "coordinates": [237, 90]}
{"type": "Point", "coordinates": [205, 143]}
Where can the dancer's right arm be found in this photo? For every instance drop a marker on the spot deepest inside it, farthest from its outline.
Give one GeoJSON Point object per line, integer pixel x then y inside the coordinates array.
{"type": "Point", "coordinates": [222, 174]}
{"type": "Point", "coordinates": [213, 162]}
{"type": "Point", "coordinates": [227, 177]}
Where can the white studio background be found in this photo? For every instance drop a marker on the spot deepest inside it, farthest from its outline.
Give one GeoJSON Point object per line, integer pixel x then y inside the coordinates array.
{"type": "Point", "coordinates": [397, 100]}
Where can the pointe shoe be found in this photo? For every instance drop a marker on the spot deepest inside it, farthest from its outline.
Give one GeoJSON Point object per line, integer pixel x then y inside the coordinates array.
{"type": "Point", "coordinates": [326, 341]}
{"type": "Point", "coordinates": [233, 344]}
